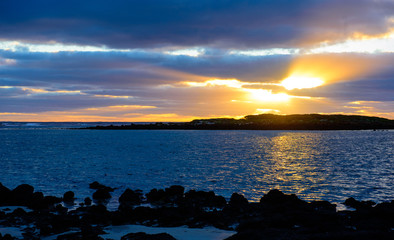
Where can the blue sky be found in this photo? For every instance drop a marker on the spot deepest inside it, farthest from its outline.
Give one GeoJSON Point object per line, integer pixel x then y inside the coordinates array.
{"type": "Point", "coordinates": [179, 60]}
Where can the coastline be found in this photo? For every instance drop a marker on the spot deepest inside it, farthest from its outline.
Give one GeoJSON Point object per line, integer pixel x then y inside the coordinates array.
{"type": "Point", "coordinates": [276, 216]}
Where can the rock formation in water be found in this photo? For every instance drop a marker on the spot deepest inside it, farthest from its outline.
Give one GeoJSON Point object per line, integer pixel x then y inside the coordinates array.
{"type": "Point", "coordinates": [276, 216]}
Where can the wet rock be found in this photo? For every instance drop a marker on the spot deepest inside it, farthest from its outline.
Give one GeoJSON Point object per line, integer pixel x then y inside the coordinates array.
{"type": "Point", "coordinates": [101, 195]}
{"type": "Point", "coordinates": [145, 236]}
{"type": "Point", "coordinates": [7, 237]}
{"type": "Point", "coordinates": [68, 197]}
{"type": "Point", "coordinates": [97, 214]}
{"type": "Point", "coordinates": [37, 201]}
{"type": "Point", "coordinates": [87, 201]}
{"type": "Point", "coordinates": [22, 195]}
{"type": "Point", "coordinates": [130, 197]}
{"type": "Point", "coordinates": [238, 200]}
{"type": "Point", "coordinates": [5, 195]}
{"type": "Point", "coordinates": [50, 201]}
{"type": "Point", "coordinates": [323, 206]}
{"type": "Point", "coordinates": [175, 193]}
{"type": "Point", "coordinates": [277, 199]}
{"type": "Point", "coordinates": [204, 199]}
{"type": "Point", "coordinates": [19, 212]}
{"type": "Point", "coordinates": [96, 185]}
{"type": "Point", "coordinates": [60, 209]}
{"type": "Point", "coordinates": [156, 196]}
{"type": "Point", "coordinates": [351, 202]}
{"type": "Point", "coordinates": [172, 195]}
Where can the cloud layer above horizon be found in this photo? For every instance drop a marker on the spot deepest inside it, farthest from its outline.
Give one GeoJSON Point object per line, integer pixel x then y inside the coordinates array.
{"type": "Point", "coordinates": [178, 60]}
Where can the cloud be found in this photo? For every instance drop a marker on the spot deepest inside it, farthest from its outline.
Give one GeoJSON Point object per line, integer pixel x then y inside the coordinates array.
{"type": "Point", "coordinates": [70, 57]}
{"type": "Point", "coordinates": [227, 23]}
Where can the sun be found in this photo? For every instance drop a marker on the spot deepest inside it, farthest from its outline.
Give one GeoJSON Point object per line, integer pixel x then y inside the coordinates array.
{"type": "Point", "coordinates": [300, 82]}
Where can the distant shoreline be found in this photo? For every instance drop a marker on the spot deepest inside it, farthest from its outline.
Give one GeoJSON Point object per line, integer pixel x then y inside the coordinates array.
{"type": "Point", "coordinates": [268, 122]}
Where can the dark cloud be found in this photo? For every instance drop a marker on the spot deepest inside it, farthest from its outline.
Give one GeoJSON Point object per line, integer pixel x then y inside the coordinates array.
{"type": "Point", "coordinates": [363, 90]}
{"type": "Point", "coordinates": [221, 23]}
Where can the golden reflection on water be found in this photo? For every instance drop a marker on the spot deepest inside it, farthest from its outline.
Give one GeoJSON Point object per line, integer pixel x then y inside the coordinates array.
{"type": "Point", "coordinates": [294, 164]}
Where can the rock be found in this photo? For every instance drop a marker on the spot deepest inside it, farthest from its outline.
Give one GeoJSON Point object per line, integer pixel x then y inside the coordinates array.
{"type": "Point", "coordinates": [204, 199]}
{"type": "Point", "coordinates": [172, 195]}
{"type": "Point", "coordinates": [238, 200]}
{"type": "Point", "coordinates": [175, 191]}
{"type": "Point", "coordinates": [351, 202]}
{"type": "Point", "coordinates": [97, 214]}
{"type": "Point", "coordinates": [96, 185]}
{"type": "Point", "coordinates": [5, 195]}
{"type": "Point", "coordinates": [155, 196]}
{"type": "Point", "coordinates": [101, 195]}
{"type": "Point", "coordinates": [7, 237]}
{"type": "Point", "coordinates": [278, 198]}
{"type": "Point", "coordinates": [50, 201]}
{"type": "Point", "coordinates": [323, 206]}
{"type": "Point", "coordinates": [130, 197]}
{"type": "Point", "coordinates": [87, 201]}
{"type": "Point", "coordinates": [22, 195]}
{"type": "Point", "coordinates": [145, 236]}
{"type": "Point", "coordinates": [68, 197]}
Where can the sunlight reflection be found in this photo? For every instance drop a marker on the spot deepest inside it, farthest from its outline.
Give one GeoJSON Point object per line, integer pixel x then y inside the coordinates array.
{"type": "Point", "coordinates": [294, 164]}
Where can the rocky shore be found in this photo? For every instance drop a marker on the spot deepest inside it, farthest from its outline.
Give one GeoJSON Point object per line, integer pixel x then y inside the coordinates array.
{"type": "Point", "coordinates": [276, 216]}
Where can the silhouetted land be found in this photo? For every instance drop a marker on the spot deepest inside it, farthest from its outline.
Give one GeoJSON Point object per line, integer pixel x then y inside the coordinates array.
{"type": "Point", "coordinates": [276, 216]}
{"type": "Point", "coordinates": [272, 122]}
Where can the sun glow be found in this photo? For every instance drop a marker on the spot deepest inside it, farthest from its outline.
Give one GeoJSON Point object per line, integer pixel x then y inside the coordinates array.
{"type": "Point", "coordinates": [261, 95]}
{"type": "Point", "coordinates": [300, 82]}
{"type": "Point", "coordinates": [264, 95]}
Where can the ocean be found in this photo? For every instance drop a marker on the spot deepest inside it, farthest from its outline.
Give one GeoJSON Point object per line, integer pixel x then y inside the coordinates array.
{"type": "Point", "coordinates": [315, 165]}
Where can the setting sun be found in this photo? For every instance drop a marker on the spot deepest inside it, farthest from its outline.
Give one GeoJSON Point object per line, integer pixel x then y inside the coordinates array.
{"type": "Point", "coordinates": [300, 82]}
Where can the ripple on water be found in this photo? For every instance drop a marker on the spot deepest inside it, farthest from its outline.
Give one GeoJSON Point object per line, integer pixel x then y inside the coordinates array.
{"type": "Point", "coordinates": [316, 165]}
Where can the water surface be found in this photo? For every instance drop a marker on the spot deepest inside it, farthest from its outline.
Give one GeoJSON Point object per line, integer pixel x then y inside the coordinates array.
{"type": "Point", "coordinates": [315, 165]}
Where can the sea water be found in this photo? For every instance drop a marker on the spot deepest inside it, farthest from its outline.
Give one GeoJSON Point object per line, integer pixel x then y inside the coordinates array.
{"type": "Point", "coordinates": [315, 165]}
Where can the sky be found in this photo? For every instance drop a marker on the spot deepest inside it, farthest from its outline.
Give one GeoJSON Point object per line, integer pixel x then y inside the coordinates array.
{"type": "Point", "coordinates": [179, 60]}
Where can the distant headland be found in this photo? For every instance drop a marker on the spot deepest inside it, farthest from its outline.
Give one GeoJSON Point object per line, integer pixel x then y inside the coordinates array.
{"type": "Point", "coordinates": [271, 122]}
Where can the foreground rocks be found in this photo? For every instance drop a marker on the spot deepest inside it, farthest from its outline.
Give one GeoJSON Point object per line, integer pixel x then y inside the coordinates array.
{"type": "Point", "coordinates": [275, 216]}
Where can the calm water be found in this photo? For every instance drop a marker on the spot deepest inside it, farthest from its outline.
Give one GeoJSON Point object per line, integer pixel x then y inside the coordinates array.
{"type": "Point", "coordinates": [319, 165]}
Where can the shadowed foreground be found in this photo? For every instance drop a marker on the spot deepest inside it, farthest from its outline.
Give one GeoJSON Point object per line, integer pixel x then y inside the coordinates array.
{"type": "Point", "coordinates": [276, 216]}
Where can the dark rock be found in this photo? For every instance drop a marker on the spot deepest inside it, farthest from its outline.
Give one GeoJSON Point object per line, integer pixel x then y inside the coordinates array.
{"type": "Point", "coordinates": [68, 196]}
{"type": "Point", "coordinates": [156, 196]}
{"type": "Point", "coordinates": [175, 191]}
{"type": "Point", "coordinates": [324, 206]}
{"type": "Point", "coordinates": [96, 185]}
{"type": "Point", "coordinates": [101, 194]}
{"type": "Point", "coordinates": [203, 199]}
{"type": "Point", "coordinates": [276, 197]}
{"type": "Point", "coordinates": [37, 201]}
{"type": "Point", "coordinates": [145, 236]}
{"type": "Point", "coordinates": [172, 195]}
{"type": "Point", "coordinates": [5, 195]}
{"type": "Point", "coordinates": [351, 202]}
{"type": "Point", "coordinates": [19, 212]}
{"type": "Point", "coordinates": [97, 214]}
{"type": "Point", "coordinates": [50, 201]}
{"type": "Point", "coordinates": [60, 209]}
{"type": "Point", "coordinates": [238, 200]}
{"type": "Point", "coordinates": [7, 237]}
{"type": "Point", "coordinates": [87, 201]}
{"type": "Point", "coordinates": [22, 195]}
{"type": "Point", "coordinates": [130, 197]}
